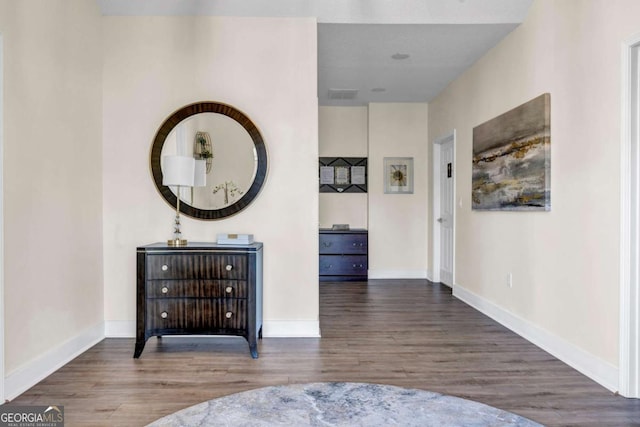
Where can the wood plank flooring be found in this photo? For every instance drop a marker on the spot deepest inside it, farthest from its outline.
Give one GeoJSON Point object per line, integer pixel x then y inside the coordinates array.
{"type": "Point", "coordinates": [407, 333]}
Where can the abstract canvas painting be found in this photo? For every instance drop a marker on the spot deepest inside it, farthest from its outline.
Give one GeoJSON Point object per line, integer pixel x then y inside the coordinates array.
{"type": "Point", "coordinates": [512, 161]}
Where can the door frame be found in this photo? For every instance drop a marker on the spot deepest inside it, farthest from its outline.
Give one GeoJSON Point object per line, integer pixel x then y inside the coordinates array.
{"type": "Point", "coordinates": [629, 352]}
{"type": "Point", "coordinates": [435, 212]}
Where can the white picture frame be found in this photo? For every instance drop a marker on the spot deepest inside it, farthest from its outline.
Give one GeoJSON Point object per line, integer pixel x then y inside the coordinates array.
{"type": "Point", "coordinates": [398, 175]}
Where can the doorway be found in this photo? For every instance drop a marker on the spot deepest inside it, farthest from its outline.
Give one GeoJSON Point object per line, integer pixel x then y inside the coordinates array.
{"type": "Point", "coordinates": [630, 231]}
{"type": "Point", "coordinates": [443, 214]}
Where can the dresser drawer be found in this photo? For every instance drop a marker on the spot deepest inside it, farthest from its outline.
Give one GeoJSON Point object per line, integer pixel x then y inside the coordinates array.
{"type": "Point", "coordinates": [334, 243]}
{"type": "Point", "coordinates": [343, 265]}
{"type": "Point", "coordinates": [197, 266]}
{"type": "Point", "coordinates": [197, 289]}
{"type": "Point", "coordinates": [196, 315]}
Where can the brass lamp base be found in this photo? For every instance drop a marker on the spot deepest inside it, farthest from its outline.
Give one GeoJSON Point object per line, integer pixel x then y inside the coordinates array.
{"type": "Point", "coordinates": [177, 242]}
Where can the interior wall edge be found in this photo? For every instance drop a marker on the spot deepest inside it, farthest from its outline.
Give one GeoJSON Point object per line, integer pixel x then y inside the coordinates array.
{"type": "Point", "coordinates": [2, 311]}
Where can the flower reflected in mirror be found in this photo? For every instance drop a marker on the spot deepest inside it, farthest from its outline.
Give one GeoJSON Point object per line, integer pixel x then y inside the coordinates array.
{"type": "Point", "coordinates": [230, 191]}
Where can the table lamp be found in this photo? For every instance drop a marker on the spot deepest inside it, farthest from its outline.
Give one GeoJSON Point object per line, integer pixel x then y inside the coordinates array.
{"type": "Point", "coordinates": [182, 171]}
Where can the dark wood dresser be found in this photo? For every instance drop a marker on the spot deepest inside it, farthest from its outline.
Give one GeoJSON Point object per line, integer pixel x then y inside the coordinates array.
{"type": "Point", "coordinates": [201, 288]}
{"type": "Point", "coordinates": [343, 255]}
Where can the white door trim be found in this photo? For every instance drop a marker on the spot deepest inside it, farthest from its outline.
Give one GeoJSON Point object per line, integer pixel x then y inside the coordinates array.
{"type": "Point", "coordinates": [629, 385]}
{"type": "Point", "coordinates": [435, 206]}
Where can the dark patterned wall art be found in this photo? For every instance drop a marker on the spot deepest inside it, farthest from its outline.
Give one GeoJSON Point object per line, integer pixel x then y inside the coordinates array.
{"type": "Point", "coordinates": [512, 159]}
{"type": "Point", "coordinates": [343, 174]}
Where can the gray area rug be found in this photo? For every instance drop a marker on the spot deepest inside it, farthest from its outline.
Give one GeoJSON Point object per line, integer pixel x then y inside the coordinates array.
{"type": "Point", "coordinates": [341, 404]}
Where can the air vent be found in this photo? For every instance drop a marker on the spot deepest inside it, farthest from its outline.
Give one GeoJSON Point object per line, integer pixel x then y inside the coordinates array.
{"type": "Point", "coordinates": [400, 56]}
{"type": "Point", "coordinates": [343, 93]}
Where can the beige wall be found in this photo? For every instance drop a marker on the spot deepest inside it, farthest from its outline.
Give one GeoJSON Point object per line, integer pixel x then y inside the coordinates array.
{"type": "Point", "coordinates": [263, 67]}
{"type": "Point", "coordinates": [53, 282]}
{"type": "Point", "coordinates": [565, 263]}
{"type": "Point", "coordinates": [398, 222]}
{"type": "Point", "coordinates": [343, 133]}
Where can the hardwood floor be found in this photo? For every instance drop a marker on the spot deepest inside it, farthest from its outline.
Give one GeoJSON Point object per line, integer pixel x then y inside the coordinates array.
{"type": "Point", "coordinates": [407, 333]}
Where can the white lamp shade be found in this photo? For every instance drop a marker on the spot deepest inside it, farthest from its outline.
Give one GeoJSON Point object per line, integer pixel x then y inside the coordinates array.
{"type": "Point", "coordinates": [178, 170]}
{"type": "Point", "coordinates": [200, 176]}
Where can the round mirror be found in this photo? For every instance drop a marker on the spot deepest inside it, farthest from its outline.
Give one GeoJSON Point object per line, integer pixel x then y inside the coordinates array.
{"type": "Point", "coordinates": [233, 151]}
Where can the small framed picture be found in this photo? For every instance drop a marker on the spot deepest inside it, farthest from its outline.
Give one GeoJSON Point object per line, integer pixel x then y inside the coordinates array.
{"type": "Point", "coordinates": [326, 175]}
{"type": "Point", "coordinates": [358, 175]}
{"type": "Point", "coordinates": [398, 175]}
{"type": "Point", "coordinates": [342, 175]}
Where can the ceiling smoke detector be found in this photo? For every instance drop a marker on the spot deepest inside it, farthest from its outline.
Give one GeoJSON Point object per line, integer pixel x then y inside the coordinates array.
{"type": "Point", "coordinates": [343, 93]}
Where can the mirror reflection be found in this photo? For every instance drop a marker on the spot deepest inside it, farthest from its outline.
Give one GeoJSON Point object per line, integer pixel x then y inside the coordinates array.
{"type": "Point", "coordinates": [229, 152]}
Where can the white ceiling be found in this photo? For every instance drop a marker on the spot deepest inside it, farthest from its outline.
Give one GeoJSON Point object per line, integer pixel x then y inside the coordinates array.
{"type": "Point", "coordinates": [357, 38]}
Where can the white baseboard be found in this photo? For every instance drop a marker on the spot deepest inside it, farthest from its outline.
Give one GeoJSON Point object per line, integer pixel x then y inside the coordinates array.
{"type": "Point", "coordinates": [270, 328]}
{"type": "Point", "coordinates": [397, 274]}
{"type": "Point", "coordinates": [291, 329]}
{"type": "Point", "coordinates": [593, 367]}
{"type": "Point", "coordinates": [31, 373]}
{"type": "Point", "coordinates": [120, 329]}
{"type": "Point", "coordinates": [429, 276]}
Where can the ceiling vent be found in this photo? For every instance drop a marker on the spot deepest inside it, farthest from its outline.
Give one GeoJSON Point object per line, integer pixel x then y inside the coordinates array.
{"type": "Point", "coordinates": [343, 93]}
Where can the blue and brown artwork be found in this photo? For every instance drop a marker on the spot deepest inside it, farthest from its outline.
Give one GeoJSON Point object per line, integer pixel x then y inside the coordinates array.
{"type": "Point", "coordinates": [512, 159]}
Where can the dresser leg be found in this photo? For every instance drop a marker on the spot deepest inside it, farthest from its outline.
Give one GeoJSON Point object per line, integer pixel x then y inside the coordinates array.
{"type": "Point", "coordinates": [139, 348]}
{"type": "Point", "coordinates": [254, 350]}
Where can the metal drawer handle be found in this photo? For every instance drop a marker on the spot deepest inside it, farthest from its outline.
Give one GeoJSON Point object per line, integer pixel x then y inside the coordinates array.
{"type": "Point", "coordinates": [165, 267]}
{"type": "Point", "coordinates": [164, 315]}
{"type": "Point", "coordinates": [228, 289]}
{"type": "Point", "coordinates": [165, 289]}
{"type": "Point", "coordinates": [228, 315]}
{"type": "Point", "coordinates": [229, 267]}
